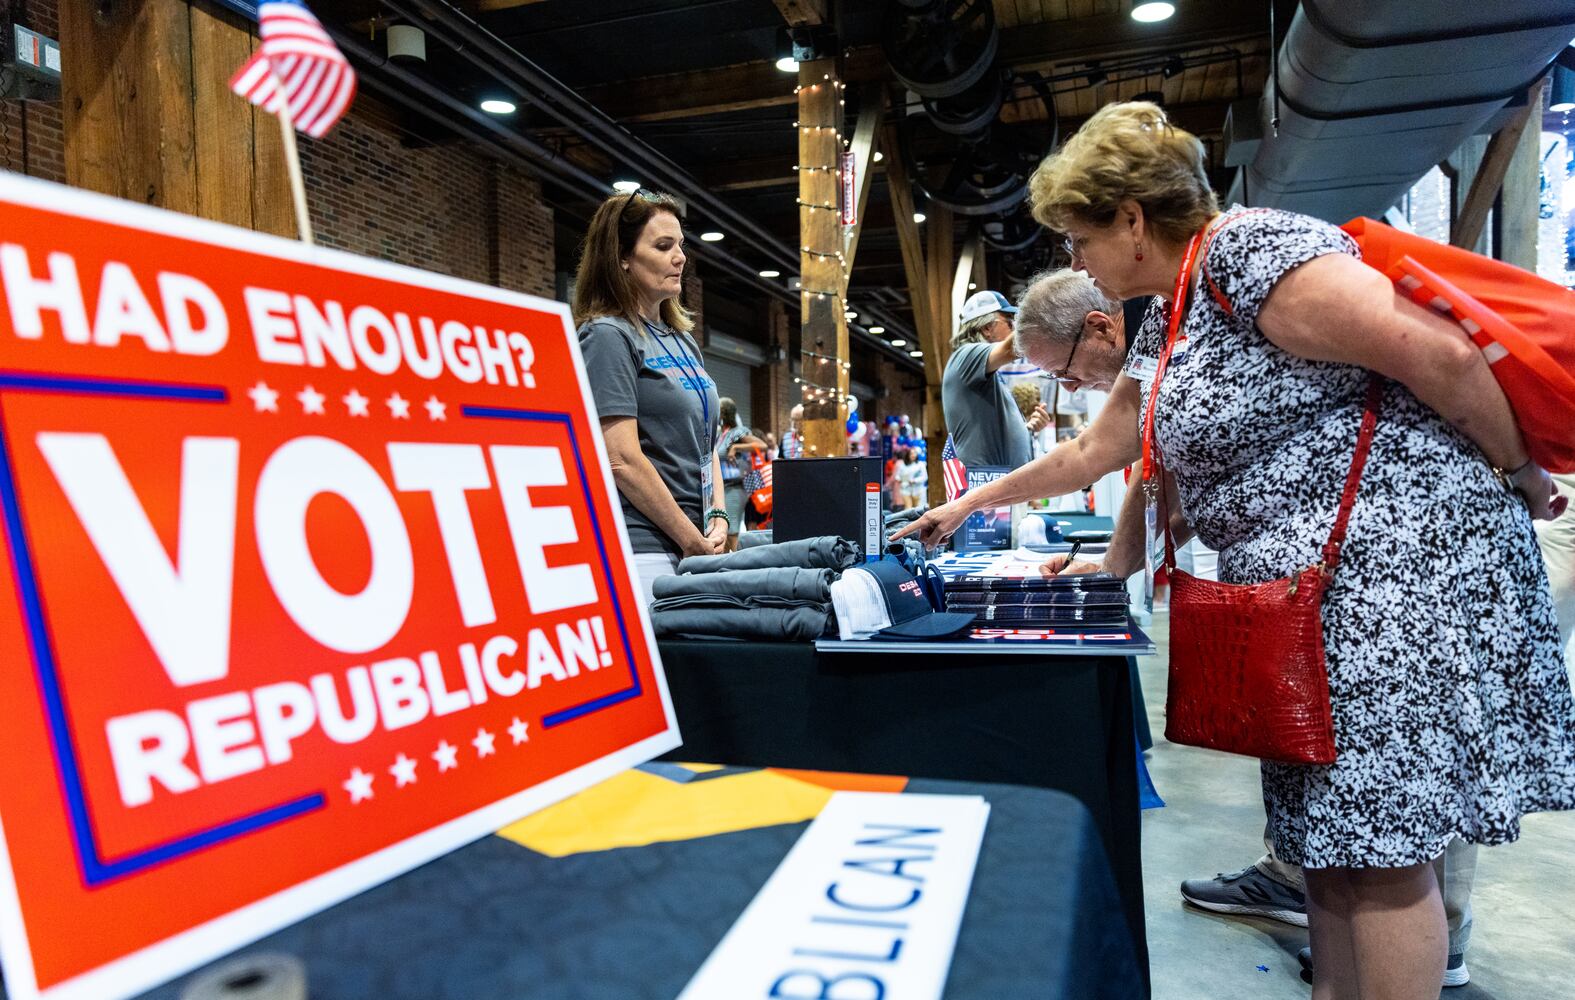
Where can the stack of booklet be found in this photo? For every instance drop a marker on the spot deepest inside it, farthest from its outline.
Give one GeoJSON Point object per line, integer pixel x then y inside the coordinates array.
{"type": "Point", "coordinates": [1084, 601]}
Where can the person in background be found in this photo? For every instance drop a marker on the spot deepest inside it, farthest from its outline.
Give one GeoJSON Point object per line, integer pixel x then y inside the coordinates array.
{"type": "Point", "coordinates": [913, 479]}
{"type": "Point", "coordinates": [658, 407]}
{"type": "Point", "coordinates": [792, 438]}
{"type": "Point", "coordinates": [733, 445]}
{"type": "Point", "coordinates": [1455, 724]}
{"type": "Point", "coordinates": [984, 424]}
{"type": "Point", "coordinates": [771, 443]}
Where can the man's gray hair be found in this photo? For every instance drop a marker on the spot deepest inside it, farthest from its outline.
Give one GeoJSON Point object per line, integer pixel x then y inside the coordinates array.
{"type": "Point", "coordinates": [973, 330]}
{"type": "Point", "coordinates": [1053, 309]}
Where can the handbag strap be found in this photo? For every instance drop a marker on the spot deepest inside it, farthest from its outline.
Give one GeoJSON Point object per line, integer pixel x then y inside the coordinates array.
{"type": "Point", "coordinates": [1353, 478]}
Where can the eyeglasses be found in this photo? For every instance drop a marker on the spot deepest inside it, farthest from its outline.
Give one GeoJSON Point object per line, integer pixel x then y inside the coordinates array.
{"type": "Point", "coordinates": [636, 193]}
{"type": "Point", "coordinates": [1061, 375]}
{"type": "Point", "coordinates": [1074, 247]}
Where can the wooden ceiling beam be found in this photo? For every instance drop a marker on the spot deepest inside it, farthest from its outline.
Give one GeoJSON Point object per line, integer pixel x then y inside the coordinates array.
{"type": "Point", "coordinates": [484, 6]}
{"type": "Point", "coordinates": [803, 13]}
{"type": "Point", "coordinates": [1108, 36]}
{"type": "Point", "coordinates": [744, 86]}
{"type": "Point", "coordinates": [738, 87]}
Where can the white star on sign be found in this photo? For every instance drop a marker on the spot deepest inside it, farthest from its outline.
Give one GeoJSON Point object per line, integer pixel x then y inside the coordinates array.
{"type": "Point", "coordinates": [436, 409]}
{"type": "Point", "coordinates": [404, 771]}
{"type": "Point", "coordinates": [398, 406]}
{"type": "Point", "coordinates": [356, 403]}
{"type": "Point", "coordinates": [446, 756]}
{"type": "Point", "coordinates": [359, 785]}
{"type": "Point", "coordinates": [483, 743]}
{"type": "Point", "coordinates": [265, 399]}
{"type": "Point", "coordinates": [518, 731]}
{"type": "Point", "coordinates": [311, 400]}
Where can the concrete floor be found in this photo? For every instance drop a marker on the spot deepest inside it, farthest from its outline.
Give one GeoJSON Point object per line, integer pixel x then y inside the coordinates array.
{"type": "Point", "coordinates": [1523, 941]}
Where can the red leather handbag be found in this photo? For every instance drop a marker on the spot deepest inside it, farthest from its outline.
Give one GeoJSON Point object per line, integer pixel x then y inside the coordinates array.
{"type": "Point", "coordinates": [1247, 668]}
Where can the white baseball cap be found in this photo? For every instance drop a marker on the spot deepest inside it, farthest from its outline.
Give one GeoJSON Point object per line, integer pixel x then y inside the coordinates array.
{"type": "Point", "coordinates": [983, 304]}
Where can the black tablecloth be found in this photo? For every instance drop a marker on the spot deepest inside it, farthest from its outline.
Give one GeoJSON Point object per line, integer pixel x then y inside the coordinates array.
{"type": "Point", "coordinates": [498, 921]}
{"type": "Point", "coordinates": [1062, 722]}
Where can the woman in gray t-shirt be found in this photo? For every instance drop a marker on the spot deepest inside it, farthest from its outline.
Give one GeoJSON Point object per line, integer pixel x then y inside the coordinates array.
{"type": "Point", "coordinates": [657, 405]}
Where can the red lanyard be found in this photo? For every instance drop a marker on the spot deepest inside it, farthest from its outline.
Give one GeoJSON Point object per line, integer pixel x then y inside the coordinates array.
{"type": "Point", "coordinates": [1178, 310]}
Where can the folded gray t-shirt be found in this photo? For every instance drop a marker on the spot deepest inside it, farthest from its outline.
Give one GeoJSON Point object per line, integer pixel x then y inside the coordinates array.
{"type": "Point", "coordinates": [657, 377]}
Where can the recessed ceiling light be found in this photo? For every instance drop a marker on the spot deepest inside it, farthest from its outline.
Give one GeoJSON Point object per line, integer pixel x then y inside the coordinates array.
{"type": "Point", "coordinates": [1150, 11]}
{"type": "Point", "coordinates": [879, 156]}
{"type": "Point", "coordinates": [972, 285]}
{"type": "Point", "coordinates": [899, 343]}
{"type": "Point", "coordinates": [918, 217]}
{"type": "Point", "coordinates": [769, 273]}
{"type": "Point", "coordinates": [712, 236]}
{"type": "Point", "coordinates": [498, 106]}
{"type": "Point", "coordinates": [850, 315]}
{"type": "Point", "coordinates": [915, 354]}
{"type": "Point", "coordinates": [877, 329]}
{"type": "Point", "coordinates": [626, 187]}
{"type": "Point", "coordinates": [787, 64]}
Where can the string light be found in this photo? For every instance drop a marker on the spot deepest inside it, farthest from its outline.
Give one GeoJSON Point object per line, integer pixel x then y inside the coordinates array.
{"type": "Point", "coordinates": [813, 392]}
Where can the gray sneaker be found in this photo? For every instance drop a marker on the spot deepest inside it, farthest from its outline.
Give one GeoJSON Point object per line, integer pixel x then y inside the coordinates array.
{"type": "Point", "coordinates": [1248, 892]}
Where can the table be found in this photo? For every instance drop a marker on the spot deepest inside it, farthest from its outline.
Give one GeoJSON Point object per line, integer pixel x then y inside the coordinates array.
{"type": "Point", "coordinates": [499, 920]}
{"type": "Point", "coordinates": [1061, 722]}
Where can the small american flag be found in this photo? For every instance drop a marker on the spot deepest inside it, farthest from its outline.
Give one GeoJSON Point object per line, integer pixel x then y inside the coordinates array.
{"type": "Point", "coordinates": [298, 68]}
{"type": "Point", "coordinates": [953, 472]}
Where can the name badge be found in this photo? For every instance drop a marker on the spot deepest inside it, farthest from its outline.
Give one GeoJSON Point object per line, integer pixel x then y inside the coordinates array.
{"type": "Point", "coordinates": [1143, 369]}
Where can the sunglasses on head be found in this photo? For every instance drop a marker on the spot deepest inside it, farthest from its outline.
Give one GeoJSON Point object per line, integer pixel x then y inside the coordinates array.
{"type": "Point", "coordinates": [641, 192]}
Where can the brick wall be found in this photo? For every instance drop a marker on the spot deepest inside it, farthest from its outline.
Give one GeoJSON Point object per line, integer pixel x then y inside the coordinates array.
{"type": "Point", "coordinates": [440, 208]}
{"type": "Point", "coordinates": [31, 141]}
{"type": "Point", "coordinates": [773, 391]}
{"type": "Point", "coordinates": [904, 392]}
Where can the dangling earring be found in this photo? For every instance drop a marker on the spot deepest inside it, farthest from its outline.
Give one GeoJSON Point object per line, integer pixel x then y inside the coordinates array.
{"type": "Point", "coordinates": [1137, 249]}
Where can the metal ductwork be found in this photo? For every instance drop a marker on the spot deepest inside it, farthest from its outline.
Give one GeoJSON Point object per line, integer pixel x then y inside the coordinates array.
{"type": "Point", "coordinates": [1372, 95]}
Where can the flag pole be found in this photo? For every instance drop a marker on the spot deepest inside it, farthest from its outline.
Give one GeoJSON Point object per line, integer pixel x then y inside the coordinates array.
{"type": "Point", "coordinates": [303, 218]}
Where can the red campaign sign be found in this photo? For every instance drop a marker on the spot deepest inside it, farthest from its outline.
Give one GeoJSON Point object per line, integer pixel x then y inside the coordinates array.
{"type": "Point", "coordinates": [313, 572]}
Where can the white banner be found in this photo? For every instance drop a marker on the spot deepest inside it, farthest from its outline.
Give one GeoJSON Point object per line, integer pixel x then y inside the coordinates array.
{"type": "Point", "coordinates": [865, 906]}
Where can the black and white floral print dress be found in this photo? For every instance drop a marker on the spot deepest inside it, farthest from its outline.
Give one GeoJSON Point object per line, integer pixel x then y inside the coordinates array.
{"type": "Point", "coordinates": [1452, 710]}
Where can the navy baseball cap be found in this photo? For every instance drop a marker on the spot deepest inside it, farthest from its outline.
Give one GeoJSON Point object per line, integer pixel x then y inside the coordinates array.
{"type": "Point", "coordinates": [882, 600]}
{"type": "Point", "coordinates": [983, 304]}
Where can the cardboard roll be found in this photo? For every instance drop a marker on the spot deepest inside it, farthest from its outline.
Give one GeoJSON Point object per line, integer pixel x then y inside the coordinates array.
{"type": "Point", "coordinates": [940, 48]}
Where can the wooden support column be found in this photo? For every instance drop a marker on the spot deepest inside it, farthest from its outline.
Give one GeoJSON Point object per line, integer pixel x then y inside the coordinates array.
{"type": "Point", "coordinates": [939, 263]}
{"type": "Point", "coordinates": [931, 317]}
{"type": "Point", "coordinates": [149, 116]}
{"type": "Point", "coordinates": [779, 370]}
{"type": "Point", "coordinates": [1520, 198]}
{"type": "Point", "coordinates": [823, 325]}
{"type": "Point", "coordinates": [971, 250]}
{"type": "Point", "coordinates": [1490, 174]}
